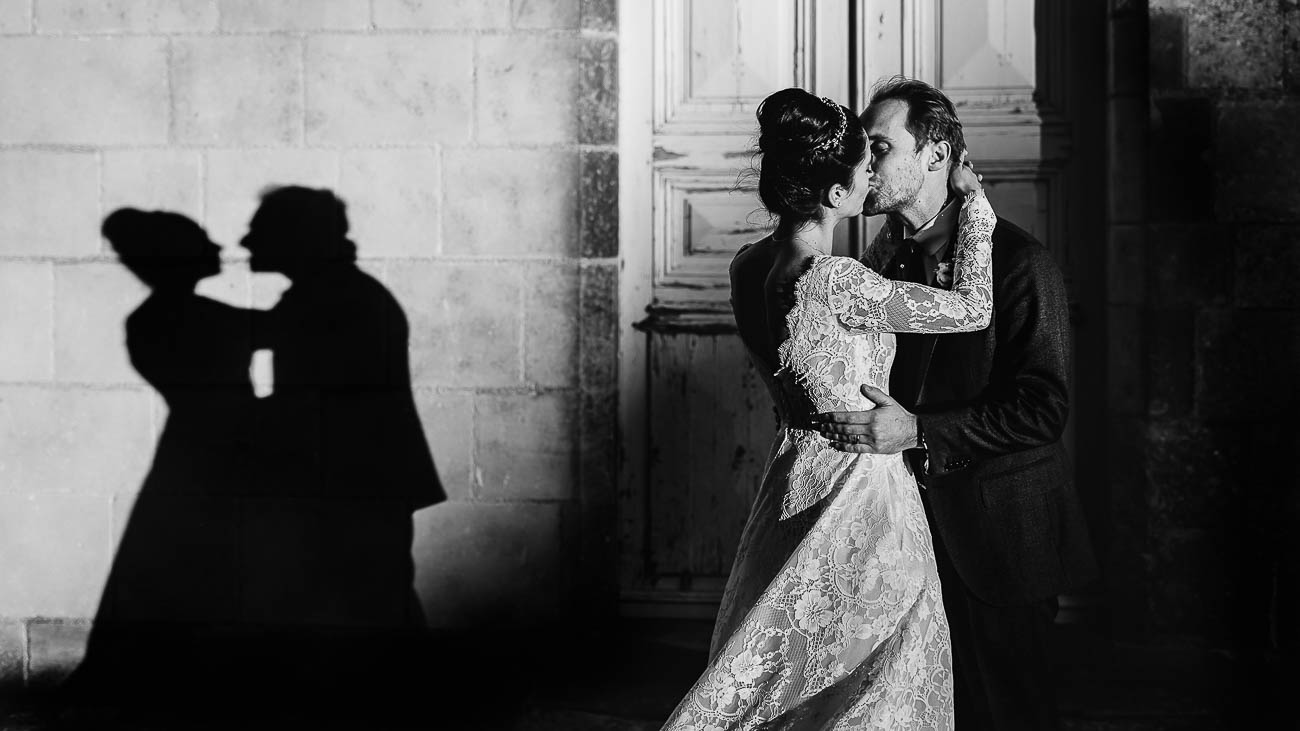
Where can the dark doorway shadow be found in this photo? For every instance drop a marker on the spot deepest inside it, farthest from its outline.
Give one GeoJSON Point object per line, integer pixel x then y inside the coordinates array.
{"type": "Point", "coordinates": [266, 564]}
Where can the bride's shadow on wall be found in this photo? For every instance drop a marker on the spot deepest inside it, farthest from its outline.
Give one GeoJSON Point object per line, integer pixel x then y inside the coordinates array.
{"type": "Point", "coordinates": [268, 550]}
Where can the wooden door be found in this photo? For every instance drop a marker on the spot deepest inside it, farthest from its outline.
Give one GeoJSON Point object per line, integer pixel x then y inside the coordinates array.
{"type": "Point", "coordinates": [696, 422]}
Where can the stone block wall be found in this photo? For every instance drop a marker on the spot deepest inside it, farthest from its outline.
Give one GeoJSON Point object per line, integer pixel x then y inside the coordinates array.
{"type": "Point", "coordinates": [1205, 324]}
{"type": "Point", "coordinates": [474, 144]}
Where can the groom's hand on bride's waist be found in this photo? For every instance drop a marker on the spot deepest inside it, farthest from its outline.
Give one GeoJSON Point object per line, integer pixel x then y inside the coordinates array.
{"type": "Point", "coordinates": [886, 429]}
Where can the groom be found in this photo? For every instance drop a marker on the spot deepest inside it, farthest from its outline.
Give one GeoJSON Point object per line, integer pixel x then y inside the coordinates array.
{"type": "Point", "coordinates": [979, 417]}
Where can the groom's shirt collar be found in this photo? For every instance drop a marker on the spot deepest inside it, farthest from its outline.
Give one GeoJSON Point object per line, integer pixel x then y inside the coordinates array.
{"type": "Point", "coordinates": [933, 235]}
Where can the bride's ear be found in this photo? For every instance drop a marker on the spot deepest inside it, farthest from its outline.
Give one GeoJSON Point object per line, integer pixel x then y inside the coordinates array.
{"type": "Point", "coordinates": [834, 195]}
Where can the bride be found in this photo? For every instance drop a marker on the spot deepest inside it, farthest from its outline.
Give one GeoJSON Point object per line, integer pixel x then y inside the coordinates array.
{"type": "Point", "coordinates": [832, 617]}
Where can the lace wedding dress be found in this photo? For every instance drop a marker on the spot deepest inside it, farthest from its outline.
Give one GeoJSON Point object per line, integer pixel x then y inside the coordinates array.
{"type": "Point", "coordinates": [833, 617]}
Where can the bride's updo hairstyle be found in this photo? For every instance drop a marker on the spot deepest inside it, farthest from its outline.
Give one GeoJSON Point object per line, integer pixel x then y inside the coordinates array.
{"type": "Point", "coordinates": [807, 145]}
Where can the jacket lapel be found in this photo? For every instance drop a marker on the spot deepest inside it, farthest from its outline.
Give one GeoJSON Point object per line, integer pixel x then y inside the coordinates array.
{"type": "Point", "coordinates": [926, 344]}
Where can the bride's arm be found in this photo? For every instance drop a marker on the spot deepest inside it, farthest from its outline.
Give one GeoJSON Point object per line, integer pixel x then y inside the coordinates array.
{"type": "Point", "coordinates": [865, 301]}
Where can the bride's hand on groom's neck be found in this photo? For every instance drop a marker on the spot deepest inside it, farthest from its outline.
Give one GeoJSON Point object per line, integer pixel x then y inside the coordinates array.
{"type": "Point", "coordinates": [963, 180]}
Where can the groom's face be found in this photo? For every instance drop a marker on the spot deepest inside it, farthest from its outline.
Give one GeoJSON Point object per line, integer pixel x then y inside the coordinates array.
{"type": "Point", "coordinates": [262, 243]}
{"type": "Point", "coordinates": [897, 169]}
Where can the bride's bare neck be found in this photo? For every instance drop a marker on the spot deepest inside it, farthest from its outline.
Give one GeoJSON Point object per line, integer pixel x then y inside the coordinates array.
{"type": "Point", "coordinates": [814, 235]}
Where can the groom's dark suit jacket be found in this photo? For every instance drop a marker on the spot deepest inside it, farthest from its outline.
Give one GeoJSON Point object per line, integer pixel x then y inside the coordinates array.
{"type": "Point", "coordinates": [992, 406]}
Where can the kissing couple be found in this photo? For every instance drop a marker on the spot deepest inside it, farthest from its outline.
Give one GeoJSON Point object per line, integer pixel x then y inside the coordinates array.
{"type": "Point", "coordinates": [269, 511]}
{"type": "Point", "coordinates": [916, 520]}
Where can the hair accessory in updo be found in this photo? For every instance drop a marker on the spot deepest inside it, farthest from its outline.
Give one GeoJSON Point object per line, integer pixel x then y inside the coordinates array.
{"type": "Point", "coordinates": [808, 143]}
{"type": "Point", "coordinates": [831, 142]}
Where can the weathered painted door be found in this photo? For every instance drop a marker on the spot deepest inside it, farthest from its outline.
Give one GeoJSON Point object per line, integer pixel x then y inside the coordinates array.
{"type": "Point", "coordinates": [696, 422]}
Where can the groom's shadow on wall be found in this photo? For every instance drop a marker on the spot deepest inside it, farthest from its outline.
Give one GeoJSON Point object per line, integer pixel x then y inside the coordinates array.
{"type": "Point", "coordinates": [267, 557]}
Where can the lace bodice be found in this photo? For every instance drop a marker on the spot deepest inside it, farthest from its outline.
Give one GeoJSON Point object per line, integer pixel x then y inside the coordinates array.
{"type": "Point", "coordinates": [840, 332]}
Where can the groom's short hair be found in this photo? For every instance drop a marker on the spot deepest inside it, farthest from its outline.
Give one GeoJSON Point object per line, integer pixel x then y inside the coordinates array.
{"type": "Point", "coordinates": [931, 116]}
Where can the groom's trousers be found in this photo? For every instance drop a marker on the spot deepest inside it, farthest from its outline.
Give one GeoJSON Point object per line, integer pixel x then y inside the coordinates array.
{"type": "Point", "coordinates": [1002, 671]}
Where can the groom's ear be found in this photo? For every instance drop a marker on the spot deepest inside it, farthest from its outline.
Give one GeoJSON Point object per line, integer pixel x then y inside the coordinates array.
{"type": "Point", "coordinates": [940, 156]}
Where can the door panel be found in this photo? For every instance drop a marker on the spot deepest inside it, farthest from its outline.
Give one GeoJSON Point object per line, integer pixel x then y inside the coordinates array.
{"type": "Point", "coordinates": [712, 430]}
{"type": "Point", "coordinates": [718, 58]}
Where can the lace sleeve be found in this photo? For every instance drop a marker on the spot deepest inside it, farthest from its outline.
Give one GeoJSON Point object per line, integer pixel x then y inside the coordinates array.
{"type": "Point", "coordinates": [867, 302]}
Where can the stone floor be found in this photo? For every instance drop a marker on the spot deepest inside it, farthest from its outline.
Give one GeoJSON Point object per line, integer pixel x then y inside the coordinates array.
{"type": "Point", "coordinates": [629, 677]}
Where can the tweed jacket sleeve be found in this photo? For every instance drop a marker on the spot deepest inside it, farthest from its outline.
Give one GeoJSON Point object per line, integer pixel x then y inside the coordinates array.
{"type": "Point", "coordinates": [1025, 403]}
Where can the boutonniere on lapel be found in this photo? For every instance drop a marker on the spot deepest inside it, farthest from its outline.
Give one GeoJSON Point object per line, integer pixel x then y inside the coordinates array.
{"type": "Point", "coordinates": [943, 275]}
